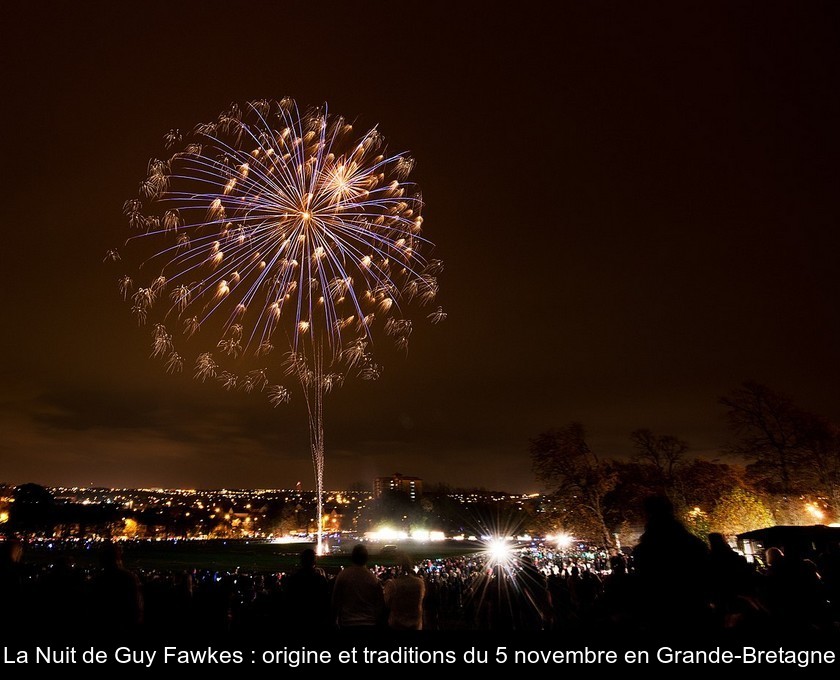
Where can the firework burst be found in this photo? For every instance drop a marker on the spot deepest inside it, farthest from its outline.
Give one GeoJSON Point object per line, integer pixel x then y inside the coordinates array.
{"type": "Point", "coordinates": [275, 228]}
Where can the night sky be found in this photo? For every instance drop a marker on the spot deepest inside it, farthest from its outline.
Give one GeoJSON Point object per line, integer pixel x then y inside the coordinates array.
{"type": "Point", "coordinates": [636, 205]}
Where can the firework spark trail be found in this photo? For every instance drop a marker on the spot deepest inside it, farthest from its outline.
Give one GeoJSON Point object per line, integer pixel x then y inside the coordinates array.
{"type": "Point", "coordinates": [274, 226]}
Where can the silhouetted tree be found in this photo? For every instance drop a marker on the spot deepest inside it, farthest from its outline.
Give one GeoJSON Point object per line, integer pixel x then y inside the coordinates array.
{"type": "Point", "coordinates": [703, 482]}
{"type": "Point", "coordinates": [286, 521]}
{"type": "Point", "coordinates": [563, 461]}
{"type": "Point", "coordinates": [665, 453]}
{"type": "Point", "coordinates": [768, 428]}
{"type": "Point", "coordinates": [635, 481]}
{"type": "Point", "coordinates": [820, 443]}
{"type": "Point", "coordinates": [560, 514]}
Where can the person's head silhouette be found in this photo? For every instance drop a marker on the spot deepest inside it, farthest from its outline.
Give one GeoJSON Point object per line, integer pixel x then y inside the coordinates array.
{"type": "Point", "coordinates": [658, 509]}
{"type": "Point", "coordinates": [359, 556]}
{"type": "Point", "coordinates": [307, 558]}
{"type": "Point", "coordinates": [111, 557]}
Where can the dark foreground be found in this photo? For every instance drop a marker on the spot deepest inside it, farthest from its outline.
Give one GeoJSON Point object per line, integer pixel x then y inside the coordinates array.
{"type": "Point", "coordinates": [714, 592]}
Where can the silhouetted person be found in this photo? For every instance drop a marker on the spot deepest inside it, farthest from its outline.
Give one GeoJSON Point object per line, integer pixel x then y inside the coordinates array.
{"type": "Point", "coordinates": [183, 599]}
{"type": "Point", "coordinates": [404, 598]}
{"type": "Point", "coordinates": [213, 603]}
{"type": "Point", "coordinates": [793, 591]}
{"type": "Point", "coordinates": [306, 596]}
{"type": "Point", "coordinates": [585, 588]}
{"type": "Point", "coordinates": [534, 600]}
{"type": "Point", "coordinates": [357, 596]}
{"type": "Point", "coordinates": [119, 600]}
{"type": "Point", "coordinates": [62, 596]}
{"type": "Point", "coordinates": [728, 574]}
{"type": "Point", "coordinates": [431, 603]}
{"type": "Point", "coordinates": [812, 595]}
{"type": "Point", "coordinates": [671, 568]}
{"type": "Point", "coordinates": [829, 564]}
{"type": "Point", "coordinates": [494, 593]}
{"type": "Point", "coordinates": [777, 584]}
{"type": "Point", "coordinates": [565, 617]}
{"type": "Point", "coordinates": [618, 599]}
{"type": "Point", "coordinates": [12, 601]}
{"type": "Point", "coordinates": [618, 563]}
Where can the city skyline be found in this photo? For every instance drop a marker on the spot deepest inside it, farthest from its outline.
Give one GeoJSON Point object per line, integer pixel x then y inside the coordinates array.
{"type": "Point", "coordinates": [636, 208]}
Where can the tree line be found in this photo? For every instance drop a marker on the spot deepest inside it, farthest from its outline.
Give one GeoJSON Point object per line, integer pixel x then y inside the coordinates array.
{"type": "Point", "coordinates": [782, 467]}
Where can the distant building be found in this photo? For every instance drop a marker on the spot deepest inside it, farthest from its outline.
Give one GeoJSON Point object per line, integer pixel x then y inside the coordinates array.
{"type": "Point", "coordinates": [411, 486]}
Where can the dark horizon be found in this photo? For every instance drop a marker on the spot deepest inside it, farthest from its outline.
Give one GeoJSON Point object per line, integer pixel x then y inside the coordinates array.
{"type": "Point", "coordinates": [636, 207]}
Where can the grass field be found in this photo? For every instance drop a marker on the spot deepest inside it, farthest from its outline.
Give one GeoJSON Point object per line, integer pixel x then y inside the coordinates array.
{"type": "Point", "coordinates": [245, 555]}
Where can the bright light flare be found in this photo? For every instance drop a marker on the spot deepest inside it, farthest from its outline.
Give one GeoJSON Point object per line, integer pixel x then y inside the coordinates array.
{"type": "Point", "coordinates": [385, 534]}
{"type": "Point", "coordinates": [563, 541]}
{"type": "Point", "coordinates": [287, 540]}
{"type": "Point", "coordinates": [499, 552]}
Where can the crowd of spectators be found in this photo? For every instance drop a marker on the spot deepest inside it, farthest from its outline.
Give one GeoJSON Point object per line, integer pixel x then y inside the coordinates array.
{"type": "Point", "coordinates": [671, 581]}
